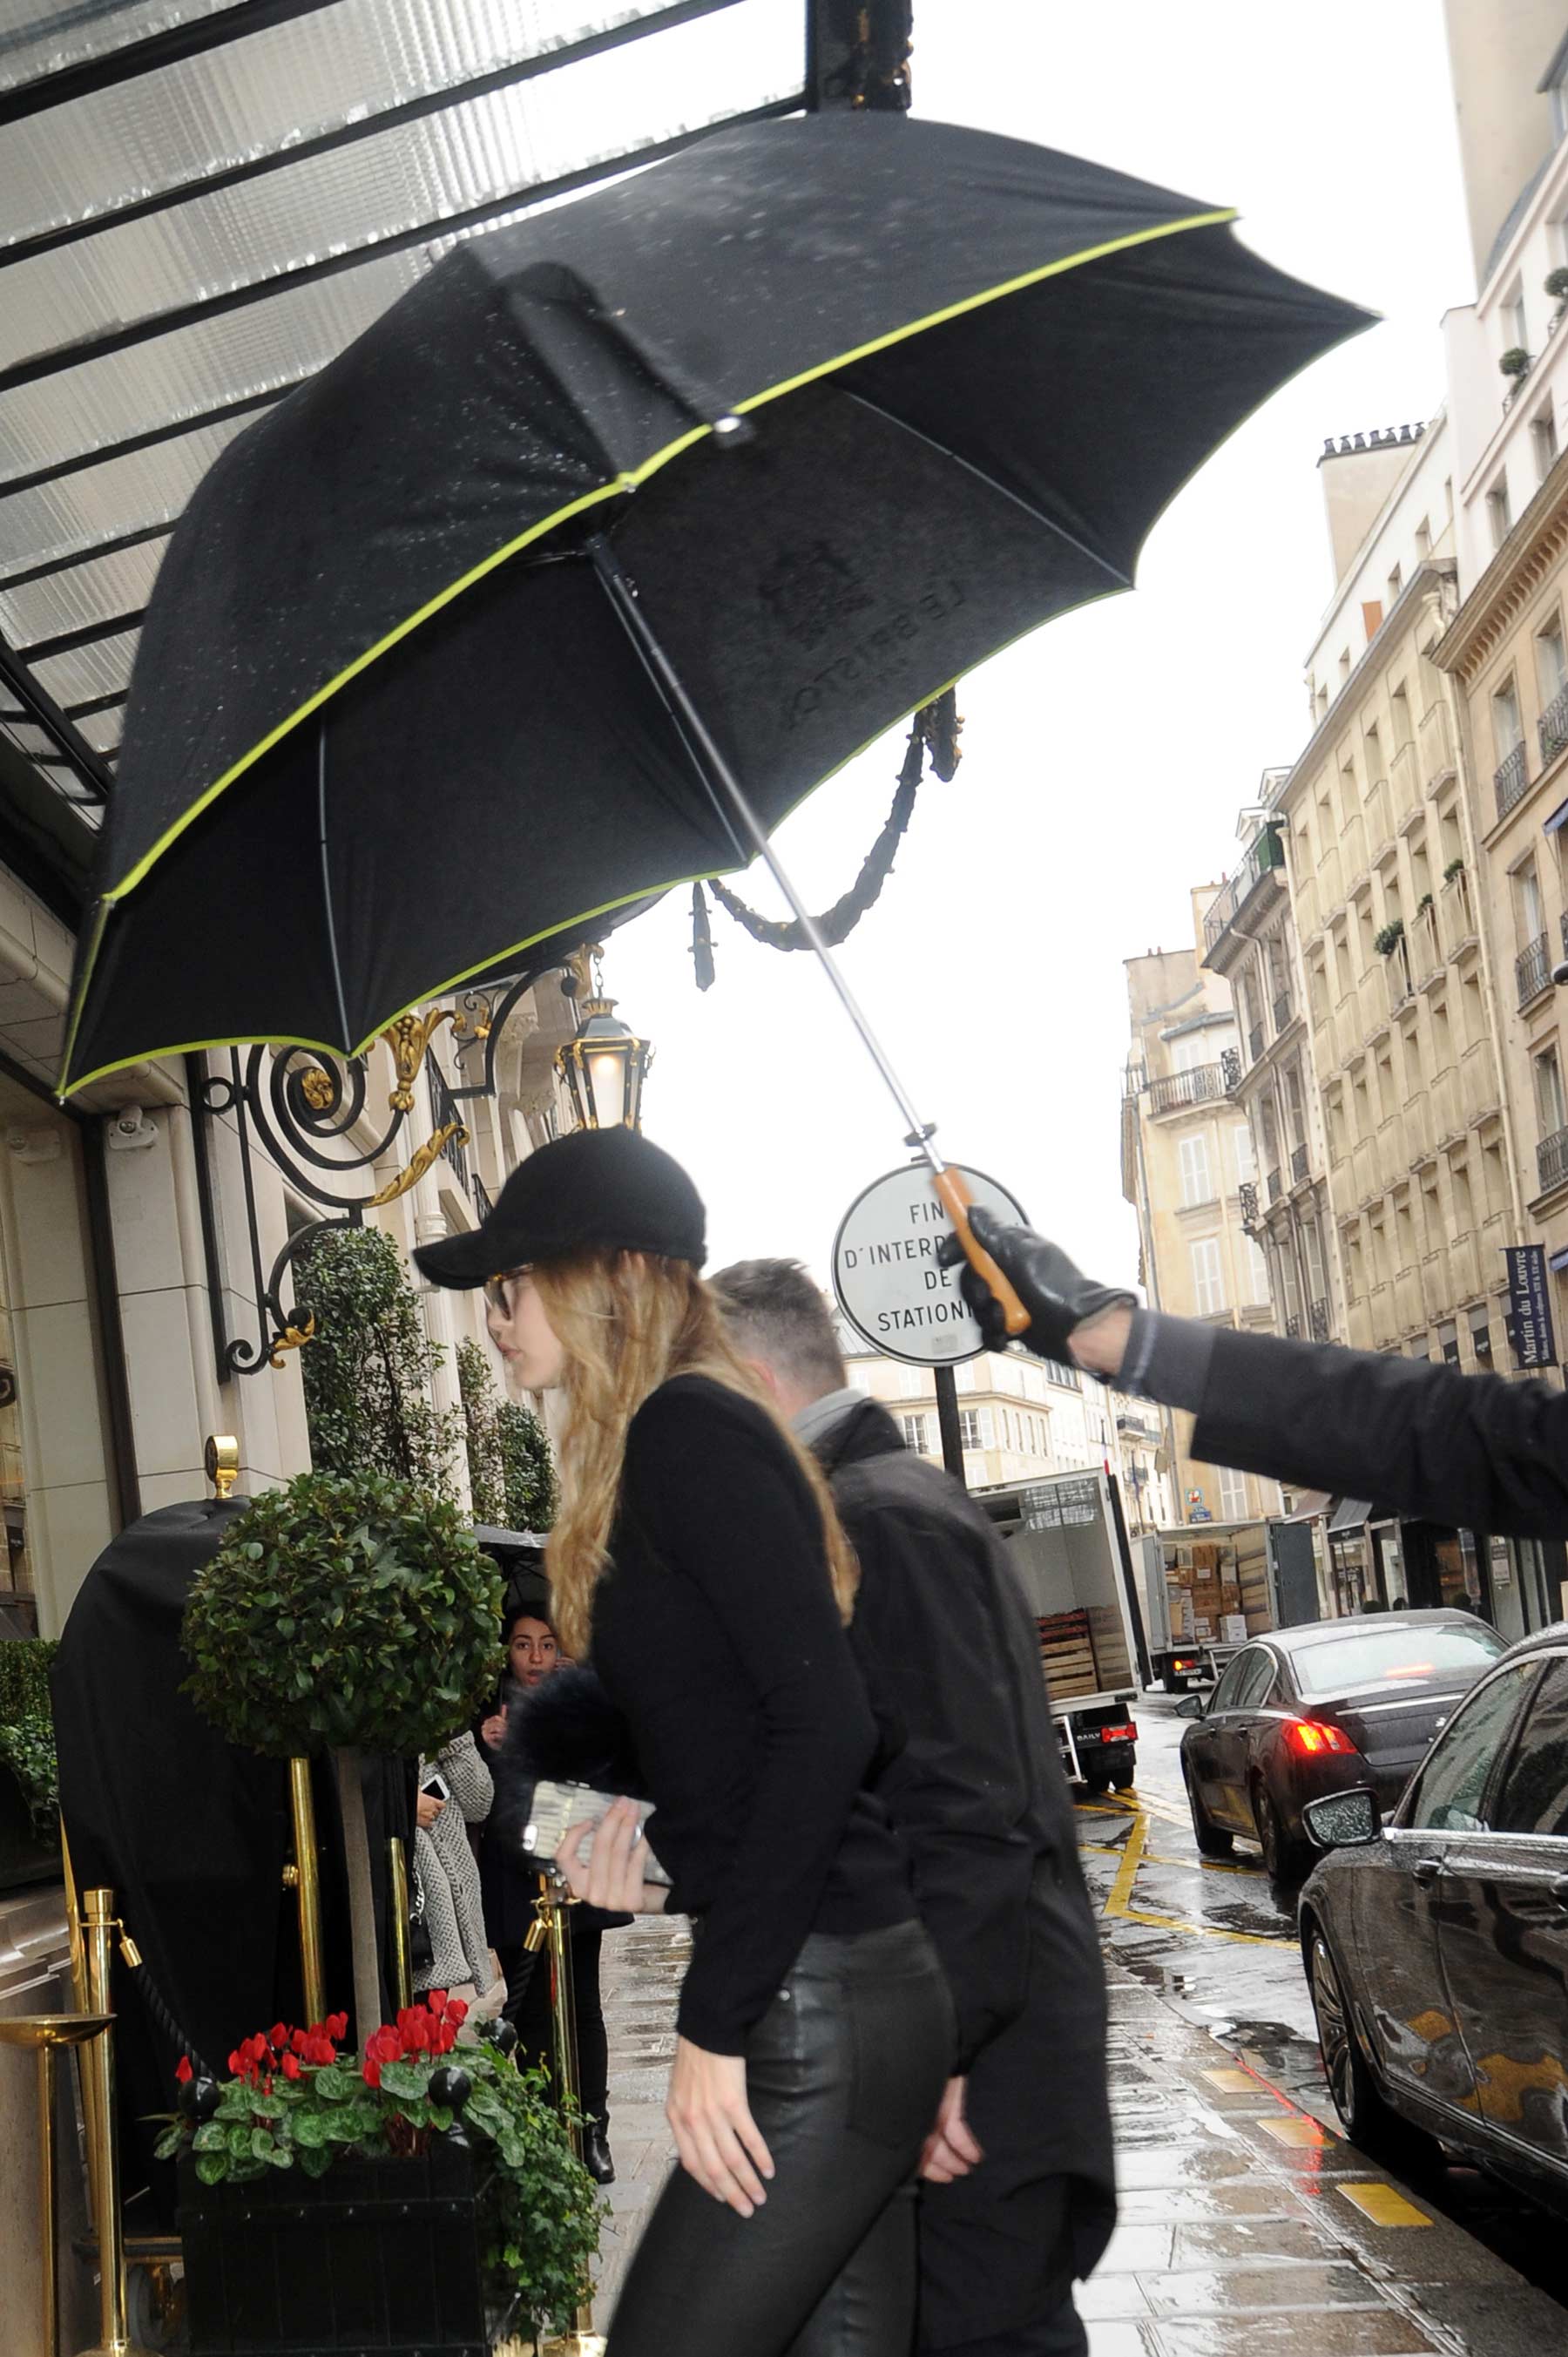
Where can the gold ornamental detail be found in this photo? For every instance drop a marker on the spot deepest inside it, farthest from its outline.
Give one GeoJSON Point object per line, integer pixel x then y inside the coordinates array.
{"type": "Point", "coordinates": [409, 1039]}
{"type": "Point", "coordinates": [316, 1088]}
{"type": "Point", "coordinates": [451, 1133]}
{"type": "Point", "coordinates": [292, 1338]}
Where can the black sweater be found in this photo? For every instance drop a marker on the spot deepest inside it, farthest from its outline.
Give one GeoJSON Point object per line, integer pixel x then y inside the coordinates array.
{"type": "Point", "coordinates": [716, 1633]}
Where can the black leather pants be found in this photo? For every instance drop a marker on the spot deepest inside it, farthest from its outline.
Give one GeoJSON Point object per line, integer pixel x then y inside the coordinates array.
{"type": "Point", "coordinates": [844, 2073]}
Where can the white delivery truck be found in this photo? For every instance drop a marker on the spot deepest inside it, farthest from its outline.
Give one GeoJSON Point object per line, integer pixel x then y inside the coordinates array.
{"type": "Point", "coordinates": [1207, 1587]}
{"type": "Point", "coordinates": [1067, 1542]}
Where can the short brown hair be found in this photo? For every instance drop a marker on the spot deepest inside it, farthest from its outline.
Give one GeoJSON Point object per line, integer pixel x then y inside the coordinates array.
{"type": "Point", "coordinates": [776, 1313]}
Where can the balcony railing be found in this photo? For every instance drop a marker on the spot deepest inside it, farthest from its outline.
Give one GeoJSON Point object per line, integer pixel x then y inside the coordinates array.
{"type": "Point", "coordinates": [1177, 1091]}
{"type": "Point", "coordinates": [447, 1115]}
{"type": "Point", "coordinates": [1276, 1186]}
{"type": "Point", "coordinates": [1511, 777]}
{"type": "Point", "coordinates": [1283, 1010]}
{"type": "Point", "coordinates": [1264, 858]}
{"type": "Point", "coordinates": [1532, 969]}
{"type": "Point", "coordinates": [1553, 727]}
{"type": "Point", "coordinates": [1246, 1196]}
{"type": "Point", "coordinates": [1551, 1159]}
{"type": "Point", "coordinates": [1318, 1319]}
{"type": "Point", "coordinates": [1297, 1164]}
{"type": "Point", "coordinates": [1230, 1060]}
{"type": "Point", "coordinates": [1293, 1329]}
{"type": "Point", "coordinates": [1255, 1042]}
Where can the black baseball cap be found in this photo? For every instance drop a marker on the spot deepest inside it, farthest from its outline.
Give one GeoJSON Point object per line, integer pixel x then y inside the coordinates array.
{"type": "Point", "coordinates": [598, 1186]}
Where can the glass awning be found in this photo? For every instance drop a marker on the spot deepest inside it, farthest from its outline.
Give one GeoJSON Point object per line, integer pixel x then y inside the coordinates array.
{"type": "Point", "coordinates": [202, 201]}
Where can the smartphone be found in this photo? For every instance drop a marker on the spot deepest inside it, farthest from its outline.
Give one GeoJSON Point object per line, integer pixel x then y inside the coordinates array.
{"type": "Point", "coordinates": [556, 1806]}
{"type": "Point", "coordinates": [434, 1787]}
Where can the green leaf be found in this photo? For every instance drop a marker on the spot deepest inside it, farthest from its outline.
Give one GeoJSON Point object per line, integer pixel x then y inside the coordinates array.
{"type": "Point", "coordinates": [262, 2144]}
{"type": "Point", "coordinates": [334, 2085]}
{"type": "Point", "coordinates": [237, 2136]}
{"type": "Point", "coordinates": [310, 2131]}
{"type": "Point", "coordinates": [404, 2077]}
{"type": "Point", "coordinates": [316, 2160]}
{"type": "Point", "coordinates": [281, 2156]}
{"type": "Point", "coordinates": [210, 2136]}
{"type": "Point", "coordinates": [169, 2144]}
{"type": "Point", "coordinates": [211, 2168]}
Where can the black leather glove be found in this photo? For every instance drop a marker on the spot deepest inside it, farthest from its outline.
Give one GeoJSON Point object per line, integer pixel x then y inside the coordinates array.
{"type": "Point", "coordinates": [1057, 1296]}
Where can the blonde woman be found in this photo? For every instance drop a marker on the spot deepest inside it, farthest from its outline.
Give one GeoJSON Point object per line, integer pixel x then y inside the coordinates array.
{"type": "Point", "coordinates": [699, 1561]}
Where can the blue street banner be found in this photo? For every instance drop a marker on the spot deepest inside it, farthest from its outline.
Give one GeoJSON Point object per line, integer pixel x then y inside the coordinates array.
{"type": "Point", "coordinates": [1529, 1307]}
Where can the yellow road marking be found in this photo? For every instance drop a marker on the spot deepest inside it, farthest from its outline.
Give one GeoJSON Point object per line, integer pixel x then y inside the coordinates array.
{"type": "Point", "coordinates": [1118, 1901]}
{"type": "Point", "coordinates": [1297, 2130]}
{"type": "Point", "coordinates": [1383, 2206]}
{"type": "Point", "coordinates": [1233, 2083]}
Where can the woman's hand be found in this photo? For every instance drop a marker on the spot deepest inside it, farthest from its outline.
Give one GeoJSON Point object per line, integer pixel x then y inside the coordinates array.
{"type": "Point", "coordinates": [430, 1808]}
{"type": "Point", "coordinates": [719, 2142]}
{"type": "Point", "coordinates": [951, 2150]}
{"type": "Point", "coordinates": [492, 1730]}
{"type": "Point", "coordinates": [612, 1877]}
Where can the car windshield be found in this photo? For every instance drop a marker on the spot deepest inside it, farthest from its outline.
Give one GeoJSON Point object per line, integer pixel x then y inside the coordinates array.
{"type": "Point", "coordinates": [1387, 1656]}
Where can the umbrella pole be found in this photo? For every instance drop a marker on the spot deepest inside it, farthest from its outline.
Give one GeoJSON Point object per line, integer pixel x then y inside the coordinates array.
{"type": "Point", "coordinates": [728, 797]}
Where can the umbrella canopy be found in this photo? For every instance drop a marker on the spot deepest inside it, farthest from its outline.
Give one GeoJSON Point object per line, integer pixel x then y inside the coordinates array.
{"type": "Point", "coordinates": [853, 402]}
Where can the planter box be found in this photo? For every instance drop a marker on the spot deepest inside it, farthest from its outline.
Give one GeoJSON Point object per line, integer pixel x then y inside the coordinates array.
{"type": "Point", "coordinates": [376, 2256]}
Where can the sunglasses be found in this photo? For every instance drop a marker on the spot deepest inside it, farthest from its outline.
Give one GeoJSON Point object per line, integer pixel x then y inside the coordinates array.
{"type": "Point", "coordinates": [499, 1295]}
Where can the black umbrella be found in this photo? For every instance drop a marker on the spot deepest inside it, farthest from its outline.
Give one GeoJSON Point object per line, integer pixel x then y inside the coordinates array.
{"type": "Point", "coordinates": [621, 531]}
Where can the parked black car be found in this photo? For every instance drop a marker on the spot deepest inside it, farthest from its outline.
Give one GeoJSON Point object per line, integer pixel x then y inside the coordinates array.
{"type": "Point", "coordinates": [1317, 1709]}
{"type": "Point", "coordinates": [1437, 1949]}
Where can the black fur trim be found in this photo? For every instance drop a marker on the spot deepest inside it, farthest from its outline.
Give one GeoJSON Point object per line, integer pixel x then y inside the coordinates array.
{"type": "Point", "coordinates": [568, 1731]}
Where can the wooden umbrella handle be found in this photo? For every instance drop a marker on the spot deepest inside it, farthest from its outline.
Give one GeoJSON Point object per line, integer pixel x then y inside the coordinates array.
{"type": "Point", "coordinates": [952, 1193]}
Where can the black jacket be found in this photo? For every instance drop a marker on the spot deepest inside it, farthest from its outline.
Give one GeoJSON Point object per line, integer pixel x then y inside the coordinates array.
{"type": "Point", "coordinates": [1473, 1451]}
{"type": "Point", "coordinates": [969, 1772]}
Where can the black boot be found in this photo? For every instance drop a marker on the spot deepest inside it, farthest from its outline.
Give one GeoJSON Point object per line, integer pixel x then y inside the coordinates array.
{"type": "Point", "coordinates": [597, 2158]}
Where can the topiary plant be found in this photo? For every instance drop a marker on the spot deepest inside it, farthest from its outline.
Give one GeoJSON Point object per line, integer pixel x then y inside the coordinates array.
{"type": "Point", "coordinates": [533, 1492]}
{"type": "Point", "coordinates": [349, 1615]}
{"type": "Point", "coordinates": [368, 1368]}
{"type": "Point", "coordinates": [1515, 362]}
{"type": "Point", "coordinates": [512, 1472]}
{"type": "Point", "coordinates": [26, 1725]}
{"type": "Point", "coordinates": [1556, 283]}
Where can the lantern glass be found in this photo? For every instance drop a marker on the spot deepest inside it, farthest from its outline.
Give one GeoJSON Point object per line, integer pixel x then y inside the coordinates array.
{"type": "Point", "coordinates": [606, 1072]}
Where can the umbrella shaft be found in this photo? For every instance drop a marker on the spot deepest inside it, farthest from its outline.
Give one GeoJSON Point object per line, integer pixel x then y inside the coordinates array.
{"type": "Point", "coordinates": [723, 789]}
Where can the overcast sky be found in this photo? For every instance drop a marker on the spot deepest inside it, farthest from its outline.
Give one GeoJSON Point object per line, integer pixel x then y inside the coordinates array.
{"type": "Point", "coordinates": [1106, 758]}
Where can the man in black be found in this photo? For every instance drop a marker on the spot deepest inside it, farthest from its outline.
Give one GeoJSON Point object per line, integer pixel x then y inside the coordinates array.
{"type": "Point", "coordinates": [1473, 1451]}
{"type": "Point", "coordinates": [1017, 2196]}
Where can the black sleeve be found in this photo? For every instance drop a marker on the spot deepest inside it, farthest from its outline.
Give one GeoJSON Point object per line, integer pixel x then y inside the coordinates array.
{"type": "Point", "coordinates": [1474, 1451]}
{"type": "Point", "coordinates": [725, 1504]}
{"type": "Point", "coordinates": [955, 1786]}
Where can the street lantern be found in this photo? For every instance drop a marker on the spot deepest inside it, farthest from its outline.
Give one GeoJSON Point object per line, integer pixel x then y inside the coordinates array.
{"type": "Point", "coordinates": [604, 1067]}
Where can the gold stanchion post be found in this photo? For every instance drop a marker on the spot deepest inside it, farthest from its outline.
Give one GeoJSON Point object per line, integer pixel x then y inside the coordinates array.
{"type": "Point", "coordinates": [101, 1924]}
{"type": "Point", "coordinates": [554, 1923]}
{"type": "Point", "coordinates": [46, 2034]}
{"type": "Point", "coordinates": [303, 1879]}
{"type": "Point", "coordinates": [397, 1899]}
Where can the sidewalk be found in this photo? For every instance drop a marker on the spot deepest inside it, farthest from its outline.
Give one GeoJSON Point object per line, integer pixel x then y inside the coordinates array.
{"type": "Point", "coordinates": [1248, 2229]}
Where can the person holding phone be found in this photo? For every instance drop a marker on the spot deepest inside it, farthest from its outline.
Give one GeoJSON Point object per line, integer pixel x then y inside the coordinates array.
{"type": "Point", "coordinates": [454, 1791]}
{"type": "Point", "coordinates": [699, 1560]}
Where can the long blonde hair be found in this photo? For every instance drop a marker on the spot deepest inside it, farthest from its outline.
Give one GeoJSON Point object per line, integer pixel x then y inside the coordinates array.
{"type": "Point", "coordinates": [626, 1322]}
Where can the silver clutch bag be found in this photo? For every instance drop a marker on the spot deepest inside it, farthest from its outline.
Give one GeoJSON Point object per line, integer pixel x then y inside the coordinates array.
{"type": "Point", "coordinates": [556, 1807]}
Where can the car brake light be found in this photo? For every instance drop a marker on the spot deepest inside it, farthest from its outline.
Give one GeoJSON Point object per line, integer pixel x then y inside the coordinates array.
{"type": "Point", "coordinates": [1180, 1663]}
{"type": "Point", "coordinates": [1128, 1734]}
{"type": "Point", "coordinates": [1310, 1737]}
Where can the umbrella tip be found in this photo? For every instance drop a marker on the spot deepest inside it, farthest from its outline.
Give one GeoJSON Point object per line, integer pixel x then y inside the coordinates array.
{"type": "Point", "coordinates": [734, 431]}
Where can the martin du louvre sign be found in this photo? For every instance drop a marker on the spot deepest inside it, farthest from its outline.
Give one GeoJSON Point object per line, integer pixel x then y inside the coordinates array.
{"type": "Point", "coordinates": [1529, 1307]}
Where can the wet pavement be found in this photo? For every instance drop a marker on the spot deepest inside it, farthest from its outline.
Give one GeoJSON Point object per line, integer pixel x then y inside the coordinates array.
{"type": "Point", "coordinates": [1248, 2223]}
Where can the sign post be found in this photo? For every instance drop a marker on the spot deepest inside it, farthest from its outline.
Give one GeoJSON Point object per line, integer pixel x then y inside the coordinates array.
{"type": "Point", "coordinates": [894, 1291]}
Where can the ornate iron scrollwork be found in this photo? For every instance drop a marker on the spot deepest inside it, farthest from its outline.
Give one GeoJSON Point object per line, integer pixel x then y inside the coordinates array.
{"type": "Point", "coordinates": [305, 1109]}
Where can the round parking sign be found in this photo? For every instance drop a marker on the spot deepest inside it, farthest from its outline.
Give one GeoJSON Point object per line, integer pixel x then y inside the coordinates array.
{"type": "Point", "coordinates": [889, 1283]}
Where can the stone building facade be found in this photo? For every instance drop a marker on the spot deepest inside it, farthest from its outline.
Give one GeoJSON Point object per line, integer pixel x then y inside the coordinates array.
{"type": "Point", "coordinates": [1187, 1154]}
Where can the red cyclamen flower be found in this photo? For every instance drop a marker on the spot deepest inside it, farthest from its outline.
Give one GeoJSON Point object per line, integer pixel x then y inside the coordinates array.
{"type": "Point", "coordinates": [290, 2067]}
{"type": "Point", "coordinates": [182, 2070]}
{"type": "Point", "coordinates": [371, 2072]}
